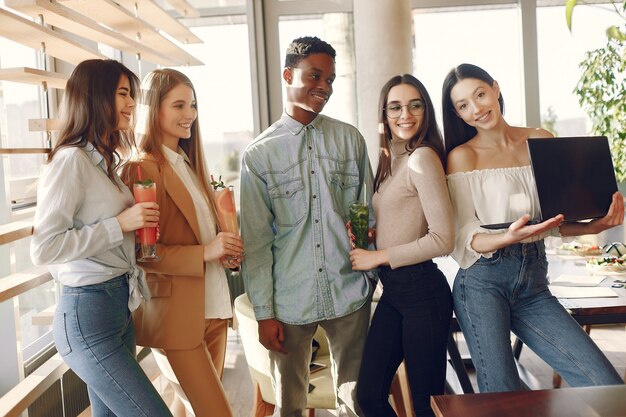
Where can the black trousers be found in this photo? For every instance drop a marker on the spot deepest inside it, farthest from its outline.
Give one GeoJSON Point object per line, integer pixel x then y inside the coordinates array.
{"type": "Point", "coordinates": [411, 322]}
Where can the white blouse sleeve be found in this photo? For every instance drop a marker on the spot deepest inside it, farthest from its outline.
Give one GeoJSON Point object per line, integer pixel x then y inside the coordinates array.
{"type": "Point", "coordinates": [60, 194]}
{"type": "Point", "coordinates": [467, 224]}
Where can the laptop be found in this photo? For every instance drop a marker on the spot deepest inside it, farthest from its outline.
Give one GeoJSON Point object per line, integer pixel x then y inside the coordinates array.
{"type": "Point", "coordinates": [574, 177]}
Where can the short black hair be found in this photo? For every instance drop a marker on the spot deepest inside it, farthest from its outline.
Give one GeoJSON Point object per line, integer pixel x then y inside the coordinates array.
{"type": "Point", "coordinates": [302, 47]}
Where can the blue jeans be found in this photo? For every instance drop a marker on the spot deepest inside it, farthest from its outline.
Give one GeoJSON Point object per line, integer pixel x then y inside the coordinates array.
{"type": "Point", "coordinates": [509, 292]}
{"type": "Point", "coordinates": [411, 323]}
{"type": "Point", "coordinates": [93, 332]}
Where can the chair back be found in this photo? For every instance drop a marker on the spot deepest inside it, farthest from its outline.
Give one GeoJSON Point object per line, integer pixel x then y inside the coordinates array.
{"type": "Point", "coordinates": [322, 397]}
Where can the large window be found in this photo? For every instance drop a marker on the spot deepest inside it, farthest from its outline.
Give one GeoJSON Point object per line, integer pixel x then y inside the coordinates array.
{"type": "Point", "coordinates": [19, 103]}
{"type": "Point", "coordinates": [559, 52]}
{"type": "Point", "coordinates": [336, 29]}
{"type": "Point", "coordinates": [23, 329]}
{"type": "Point", "coordinates": [223, 86]}
{"type": "Point", "coordinates": [489, 38]}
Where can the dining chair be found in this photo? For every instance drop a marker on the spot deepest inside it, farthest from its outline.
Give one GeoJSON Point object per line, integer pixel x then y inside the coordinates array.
{"type": "Point", "coordinates": [321, 397]}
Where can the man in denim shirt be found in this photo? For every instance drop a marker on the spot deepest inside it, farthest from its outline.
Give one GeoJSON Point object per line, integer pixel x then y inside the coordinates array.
{"type": "Point", "coordinates": [298, 180]}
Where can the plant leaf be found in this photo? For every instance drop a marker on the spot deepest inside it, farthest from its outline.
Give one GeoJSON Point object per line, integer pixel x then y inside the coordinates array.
{"type": "Point", "coordinates": [615, 33]}
{"type": "Point", "coordinates": [569, 9]}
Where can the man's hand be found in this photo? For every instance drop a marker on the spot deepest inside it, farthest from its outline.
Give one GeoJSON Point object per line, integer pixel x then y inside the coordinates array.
{"type": "Point", "coordinates": [271, 335]}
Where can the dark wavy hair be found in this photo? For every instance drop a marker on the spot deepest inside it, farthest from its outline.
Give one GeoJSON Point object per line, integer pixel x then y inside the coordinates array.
{"type": "Point", "coordinates": [428, 133]}
{"type": "Point", "coordinates": [88, 113]}
{"type": "Point", "coordinates": [455, 131]}
{"type": "Point", "coordinates": [300, 48]}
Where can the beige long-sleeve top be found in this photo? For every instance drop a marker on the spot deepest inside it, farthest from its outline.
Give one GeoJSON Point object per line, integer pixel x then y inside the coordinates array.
{"type": "Point", "coordinates": [413, 212]}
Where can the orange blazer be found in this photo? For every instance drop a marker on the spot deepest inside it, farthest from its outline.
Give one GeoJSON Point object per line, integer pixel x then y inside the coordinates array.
{"type": "Point", "coordinates": [174, 317]}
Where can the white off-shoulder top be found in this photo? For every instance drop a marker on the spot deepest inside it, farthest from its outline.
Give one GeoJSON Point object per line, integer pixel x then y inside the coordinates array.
{"type": "Point", "coordinates": [488, 196]}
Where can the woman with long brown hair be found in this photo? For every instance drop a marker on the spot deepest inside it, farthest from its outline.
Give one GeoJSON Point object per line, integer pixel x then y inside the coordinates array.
{"type": "Point", "coordinates": [85, 231]}
{"type": "Point", "coordinates": [502, 284]}
{"type": "Point", "coordinates": [188, 315]}
{"type": "Point", "coordinates": [413, 226]}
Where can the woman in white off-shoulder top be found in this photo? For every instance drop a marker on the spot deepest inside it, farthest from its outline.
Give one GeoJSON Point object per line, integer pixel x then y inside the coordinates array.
{"type": "Point", "coordinates": [502, 285]}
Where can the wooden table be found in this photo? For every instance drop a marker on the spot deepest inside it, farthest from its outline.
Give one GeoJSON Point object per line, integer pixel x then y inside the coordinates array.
{"type": "Point", "coordinates": [606, 401]}
{"type": "Point", "coordinates": [590, 310]}
{"type": "Point", "coordinates": [583, 310]}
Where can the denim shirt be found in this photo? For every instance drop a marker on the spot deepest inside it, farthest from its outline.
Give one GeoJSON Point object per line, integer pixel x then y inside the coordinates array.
{"type": "Point", "coordinates": [297, 183]}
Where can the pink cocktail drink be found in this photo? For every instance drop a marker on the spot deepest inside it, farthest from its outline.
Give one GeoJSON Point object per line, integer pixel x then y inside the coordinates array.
{"type": "Point", "coordinates": [225, 202]}
{"type": "Point", "coordinates": [146, 192]}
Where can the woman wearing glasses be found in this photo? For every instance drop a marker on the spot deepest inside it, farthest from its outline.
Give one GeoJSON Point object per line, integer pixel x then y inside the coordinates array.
{"type": "Point", "coordinates": [414, 225]}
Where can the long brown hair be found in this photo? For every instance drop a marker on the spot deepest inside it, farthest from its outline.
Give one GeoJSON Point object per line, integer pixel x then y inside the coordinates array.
{"type": "Point", "coordinates": [155, 87]}
{"type": "Point", "coordinates": [428, 133]}
{"type": "Point", "coordinates": [88, 113]}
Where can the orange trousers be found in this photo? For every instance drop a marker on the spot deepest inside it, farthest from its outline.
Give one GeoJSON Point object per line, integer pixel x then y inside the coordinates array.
{"type": "Point", "coordinates": [199, 371]}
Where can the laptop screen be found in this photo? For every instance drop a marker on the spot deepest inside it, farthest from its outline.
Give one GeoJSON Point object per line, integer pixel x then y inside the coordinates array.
{"type": "Point", "coordinates": [574, 176]}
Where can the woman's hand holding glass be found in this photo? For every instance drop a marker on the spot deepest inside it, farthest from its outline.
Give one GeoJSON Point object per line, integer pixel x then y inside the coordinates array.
{"type": "Point", "coordinates": [227, 248]}
{"type": "Point", "coordinates": [365, 260]}
{"type": "Point", "coordinates": [138, 216]}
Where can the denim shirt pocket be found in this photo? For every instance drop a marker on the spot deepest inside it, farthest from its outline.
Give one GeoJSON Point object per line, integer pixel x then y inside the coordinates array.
{"type": "Point", "coordinates": [345, 187]}
{"type": "Point", "coordinates": [288, 202]}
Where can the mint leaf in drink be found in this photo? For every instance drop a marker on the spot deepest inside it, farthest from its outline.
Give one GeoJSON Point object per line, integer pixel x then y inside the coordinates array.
{"type": "Point", "coordinates": [145, 183]}
{"type": "Point", "coordinates": [217, 184]}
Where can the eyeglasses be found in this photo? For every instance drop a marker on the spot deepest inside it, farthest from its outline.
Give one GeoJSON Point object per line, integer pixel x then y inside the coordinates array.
{"type": "Point", "coordinates": [415, 107]}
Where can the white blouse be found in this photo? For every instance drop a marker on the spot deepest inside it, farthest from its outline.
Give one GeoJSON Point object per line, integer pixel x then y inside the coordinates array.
{"type": "Point", "coordinates": [76, 232]}
{"type": "Point", "coordinates": [488, 196]}
{"type": "Point", "coordinates": [216, 293]}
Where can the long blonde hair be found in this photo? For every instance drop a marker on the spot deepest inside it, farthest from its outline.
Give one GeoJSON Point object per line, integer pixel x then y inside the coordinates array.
{"type": "Point", "coordinates": [155, 87]}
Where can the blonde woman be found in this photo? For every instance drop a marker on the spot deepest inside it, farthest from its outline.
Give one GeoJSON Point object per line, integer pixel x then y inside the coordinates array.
{"type": "Point", "coordinates": [190, 308]}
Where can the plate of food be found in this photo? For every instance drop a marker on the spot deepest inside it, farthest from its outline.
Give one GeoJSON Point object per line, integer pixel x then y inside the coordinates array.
{"type": "Point", "coordinates": [608, 265]}
{"type": "Point", "coordinates": [579, 249]}
{"type": "Point", "coordinates": [616, 249]}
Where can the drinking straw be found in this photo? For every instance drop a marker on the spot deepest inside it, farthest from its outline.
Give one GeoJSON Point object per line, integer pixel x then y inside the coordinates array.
{"type": "Point", "coordinates": [365, 194]}
{"type": "Point", "coordinates": [139, 173]}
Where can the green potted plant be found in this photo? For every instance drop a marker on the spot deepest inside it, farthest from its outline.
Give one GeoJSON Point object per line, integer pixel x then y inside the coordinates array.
{"type": "Point", "coordinates": [601, 89]}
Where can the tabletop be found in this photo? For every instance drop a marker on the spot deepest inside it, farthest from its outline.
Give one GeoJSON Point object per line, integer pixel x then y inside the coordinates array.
{"type": "Point", "coordinates": [581, 307]}
{"type": "Point", "coordinates": [605, 401]}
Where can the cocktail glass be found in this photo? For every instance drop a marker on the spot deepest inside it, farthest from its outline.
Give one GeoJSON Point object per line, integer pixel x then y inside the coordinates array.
{"type": "Point", "coordinates": [147, 236]}
{"type": "Point", "coordinates": [226, 210]}
{"type": "Point", "coordinates": [359, 222]}
{"type": "Point", "coordinates": [225, 202]}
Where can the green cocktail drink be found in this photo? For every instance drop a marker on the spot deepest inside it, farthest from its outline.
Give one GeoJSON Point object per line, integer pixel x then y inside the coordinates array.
{"type": "Point", "coordinates": [359, 221]}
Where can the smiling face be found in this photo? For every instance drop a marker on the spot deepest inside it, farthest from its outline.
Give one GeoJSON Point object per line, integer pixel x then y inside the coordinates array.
{"type": "Point", "coordinates": [124, 104]}
{"type": "Point", "coordinates": [309, 86]}
{"type": "Point", "coordinates": [476, 102]}
{"type": "Point", "coordinates": [177, 114]}
{"type": "Point", "coordinates": [408, 101]}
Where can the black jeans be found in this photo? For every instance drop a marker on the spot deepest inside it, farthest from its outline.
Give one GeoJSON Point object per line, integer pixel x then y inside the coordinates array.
{"type": "Point", "coordinates": [411, 322]}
